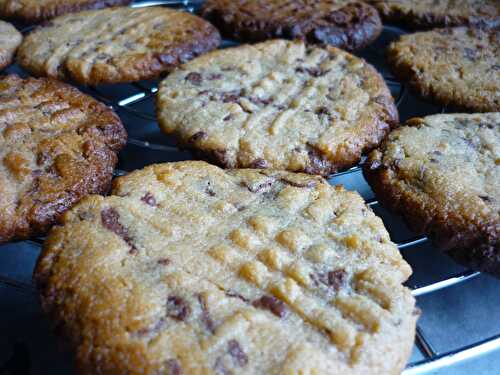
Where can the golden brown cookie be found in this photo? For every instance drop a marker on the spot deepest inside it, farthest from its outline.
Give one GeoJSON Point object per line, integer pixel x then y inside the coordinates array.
{"type": "Point", "coordinates": [33, 11]}
{"type": "Point", "coordinates": [116, 45]}
{"type": "Point", "coordinates": [442, 173]}
{"type": "Point", "coordinates": [56, 146]}
{"type": "Point", "coordinates": [10, 39]}
{"type": "Point", "coordinates": [187, 269]}
{"type": "Point", "coordinates": [427, 14]}
{"type": "Point", "coordinates": [341, 23]}
{"type": "Point", "coordinates": [278, 104]}
{"type": "Point", "coordinates": [459, 67]}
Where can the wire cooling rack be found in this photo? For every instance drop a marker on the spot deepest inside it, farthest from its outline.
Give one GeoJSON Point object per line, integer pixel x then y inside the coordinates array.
{"type": "Point", "coordinates": [135, 105]}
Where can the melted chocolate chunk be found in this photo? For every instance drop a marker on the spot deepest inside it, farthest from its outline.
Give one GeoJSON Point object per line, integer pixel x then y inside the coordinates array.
{"type": "Point", "coordinates": [260, 187]}
{"type": "Point", "coordinates": [323, 111]}
{"type": "Point", "coordinates": [201, 135]}
{"type": "Point", "coordinates": [236, 352]}
{"type": "Point", "coordinates": [164, 261]}
{"type": "Point", "coordinates": [177, 308]}
{"type": "Point", "coordinates": [276, 306]}
{"type": "Point", "coordinates": [173, 367]}
{"type": "Point", "coordinates": [149, 199]}
{"type": "Point", "coordinates": [205, 314]}
{"type": "Point", "coordinates": [110, 220]}
{"type": "Point", "coordinates": [194, 78]}
{"type": "Point", "coordinates": [230, 96]}
{"type": "Point", "coordinates": [314, 72]}
{"type": "Point", "coordinates": [259, 101]}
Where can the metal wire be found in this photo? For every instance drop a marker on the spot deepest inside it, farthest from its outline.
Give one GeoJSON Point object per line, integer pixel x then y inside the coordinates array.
{"type": "Point", "coordinates": [432, 360]}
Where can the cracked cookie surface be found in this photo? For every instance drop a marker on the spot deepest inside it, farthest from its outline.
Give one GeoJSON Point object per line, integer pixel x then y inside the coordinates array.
{"type": "Point", "coordinates": [10, 39]}
{"type": "Point", "coordinates": [342, 23]}
{"type": "Point", "coordinates": [115, 45]}
{"type": "Point", "coordinates": [188, 268]}
{"type": "Point", "coordinates": [277, 104]}
{"type": "Point", "coordinates": [33, 11]}
{"type": "Point", "coordinates": [442, 173]}
{"type": "Point", "coordinates": [427, 14]}
{"type": "Point", "coordinates": [459, 67]}
{"type": "Point", "coordinates": [56, 146]}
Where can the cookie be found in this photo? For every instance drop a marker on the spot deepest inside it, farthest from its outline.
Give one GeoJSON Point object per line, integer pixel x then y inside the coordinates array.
{"type": "Point", "coordinates": [427, 14]}
{"type": "Point", "coordinates": [459, 67]}
{"type": "Point", "coordinates": [10, 39]}
{"type": "Point", "coordinates": [277, 104]}
{"type": "Point", "coordinates": [56, 146]}
{"type": "Point", "coordinates": [187, 268]}
{"type": "Point", "coordinates": [342, 23]}
{"type": "Point", "coordinates": [116, 45]}
{"type": "Point", "coordinates": [442, 173]}
{"type": "Point", "coordinates": [34, 11]}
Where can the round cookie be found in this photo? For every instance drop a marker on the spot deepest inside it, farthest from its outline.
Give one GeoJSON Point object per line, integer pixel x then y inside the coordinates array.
{"type": "Point", "coordinates": [217, 271]}
{"type": "Point", "coordinates": [115, 45]}
{"type": "Point", "coordinates": [33, 11]}
{"type": "Point", "coordinates": [342, 23]}
{"type": "Point", "coordinates": [10, 39]}
{"type": "Point", "coordinates": [277, 104]}
{"type": "Point", "coordinates": [56, 146]}
{"type": "Point", "coordinates": [427, 14]}
{"type": "Point", "coordinates": [442, 173]}
{"type": "Point", "coordinates": [459, 67]}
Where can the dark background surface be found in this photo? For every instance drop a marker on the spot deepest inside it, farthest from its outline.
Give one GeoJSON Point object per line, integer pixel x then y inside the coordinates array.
{"type": "Point", "coordinates": [453, 317]}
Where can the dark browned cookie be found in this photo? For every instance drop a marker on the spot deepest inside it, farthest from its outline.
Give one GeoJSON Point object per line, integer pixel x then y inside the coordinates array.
{"type": "Point", "coordinates": [278, 104]}
{"type": "Point", "coordinates": [442, 173]}
{"type": "Point", "coordinates": [116, 45]}
{"type": "Point", "coordinates": [342, 23]}
{"type": "Point", "coordinates": [33, 11]}
{"type": "Point", "coordinates": [425, 14]}
{"type": "Point", "coordinates": [56, 146]}
{"type": "Point", "coordinates": [190, 269]}
{"type": "Point", "coordinates": [459, 67]}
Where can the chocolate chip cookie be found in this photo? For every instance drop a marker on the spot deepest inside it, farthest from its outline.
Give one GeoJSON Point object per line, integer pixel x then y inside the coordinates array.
{"type": "Point", "coordinates": [187, 268]}
{"type": "Point", "coordinates": [277, 104]}
{"type": "Point", "coordinates": [342, 23]}
{"type": "Point", "coordinates": [459, 67]}
{"type": "Point", "coordinates": [442, 173]}
{"type": "Point", "coordinates": [116, 45]}
{"type": "Point", "coordinates": [33, 11]}
{"type": "Point", "coordinates": [10, 39]}
{"type": "Point", "coordinates": [426, 14]}
{"type": "Point", "coordinates": [56, 146]}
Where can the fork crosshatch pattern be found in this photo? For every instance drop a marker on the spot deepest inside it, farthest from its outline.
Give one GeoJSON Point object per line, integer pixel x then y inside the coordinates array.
{"type": "Point", "coordinates": [460, 308]}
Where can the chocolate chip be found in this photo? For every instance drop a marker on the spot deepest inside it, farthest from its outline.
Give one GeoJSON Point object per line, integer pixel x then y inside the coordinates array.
{"type": "Point", "coordinates": [437, 152]}
{"type": "Point", "coordinates": [173, 367]}
{"type": "Point", "coordinates": [432, 160]}
{"type": "Point", "coordinates": [110, 220]}
{"type": "Point", "coordinates": [157, 327]}
{"type": "Point", "coordinates": [227, 118]}
{"type": "Point", "coordinates": [230, 96]}
{"type": "Point", "coordinates": [319, 163]}
{"type": "Point", "coordinates": [260, 101]}
{"type": "Point", "coordinates": [236, 352]}
{"type": "Point", "coordinates": [260, 187]}
{"type": "Point", "coordinates": [333, 279]}
{"type": "Point", "coordinates": [214, 76]}
{"type": "Point", "coordinates": [485, 198]}
{"type": "Point", "coordinates": [201, 135]}
{"type": "Point", "coordinates": [232, 294]}
{"type": "Point", "coordinates": [194, 78]}
{"type": "Point", "coordinates": [177, 308]}
{"type": "Point", "coordinates": [276, 306]}
{"type": "Point", "coordinates": [42, 157]}
{"type": "Point", "coordinates": [323, 111]}
{"type": "Point", "coordinates": [259, 164]}
{"type": "Point", "coordinates": [205, 314]}
{"type": "Point", "coordinates": [149, 199]}
{"type": "Point", "coordinates": [164, 261]}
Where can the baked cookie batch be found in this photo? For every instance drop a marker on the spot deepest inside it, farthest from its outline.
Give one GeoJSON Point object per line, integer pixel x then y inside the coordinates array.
{"type": "Point", "coordinates": [257, 265]}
